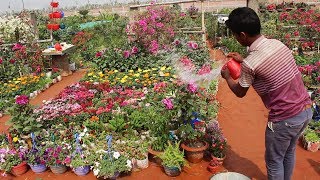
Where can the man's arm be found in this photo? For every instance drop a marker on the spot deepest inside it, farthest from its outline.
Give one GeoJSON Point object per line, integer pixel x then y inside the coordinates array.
{"type": "Point", "coordinates": [235, 87]}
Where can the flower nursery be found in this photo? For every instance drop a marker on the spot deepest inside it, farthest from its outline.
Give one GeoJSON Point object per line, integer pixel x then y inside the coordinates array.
{"type": "Point", "coordinates": [138, 94]}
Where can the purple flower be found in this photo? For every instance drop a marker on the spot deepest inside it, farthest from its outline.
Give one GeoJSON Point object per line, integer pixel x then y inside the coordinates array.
{"type": "Point", "coordinates": [192, 87]}
{"type": "Point", "coordinates": [22, 100]}
{"type": "Point", "coordinates": [134, 50]}
{"type": "Point", "coordinates": [168, 103]}
{"type": "Point", "coordinates": [126, 54]}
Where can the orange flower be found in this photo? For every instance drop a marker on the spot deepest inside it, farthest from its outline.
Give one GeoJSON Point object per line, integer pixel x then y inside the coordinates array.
{"type": "Point", "coordinates": [94, 118]}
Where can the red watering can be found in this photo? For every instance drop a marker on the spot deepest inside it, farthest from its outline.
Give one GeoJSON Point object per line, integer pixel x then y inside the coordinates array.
{"type": "Point", "coordinates": [234, 68]}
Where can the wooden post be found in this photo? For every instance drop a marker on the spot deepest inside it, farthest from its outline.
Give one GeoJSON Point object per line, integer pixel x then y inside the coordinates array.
{"type": "Point", "coordinates": [203, 25]}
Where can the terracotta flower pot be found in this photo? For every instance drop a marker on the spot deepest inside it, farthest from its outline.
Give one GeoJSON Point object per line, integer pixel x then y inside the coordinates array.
{"type": "Point", "coordinates": [172, 171]}
{"type": "Point", "coordinates": [194, 155]}
{"type": "Point", "coordinates": [82, 170]}
{"type": "Point", "coordinates": [58, 169]}
{"type": "Point", "coordinates": [213, 166]}
{"type": "Point", "coordinates": [154, 157]}
{"type": "Point", "coordinates": [19, 169]}
{"type": "Point", "coordinates": [218, 159]}
{"type": "Point", "coordinates": [38, 168]}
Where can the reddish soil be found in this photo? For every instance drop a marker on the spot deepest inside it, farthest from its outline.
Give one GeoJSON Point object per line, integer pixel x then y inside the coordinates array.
{"type": "Point", "coordinates": [243, 121]}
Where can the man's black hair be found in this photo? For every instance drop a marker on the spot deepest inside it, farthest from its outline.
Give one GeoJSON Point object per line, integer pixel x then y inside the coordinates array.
{"type": "Point", "coordinates": [244, 19]}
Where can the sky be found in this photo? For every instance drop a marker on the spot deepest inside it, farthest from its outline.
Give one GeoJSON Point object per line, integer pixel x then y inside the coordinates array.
{"type": "Point", "coordinates": [17, 5]}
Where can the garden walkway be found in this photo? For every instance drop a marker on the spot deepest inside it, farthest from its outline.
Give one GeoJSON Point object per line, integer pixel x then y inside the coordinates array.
{"type": "Point", "coordinates": [243, 121]}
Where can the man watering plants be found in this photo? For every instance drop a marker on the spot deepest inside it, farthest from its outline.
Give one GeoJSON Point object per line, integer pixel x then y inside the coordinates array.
{"type": "Point", "coordinates": [271, 69]}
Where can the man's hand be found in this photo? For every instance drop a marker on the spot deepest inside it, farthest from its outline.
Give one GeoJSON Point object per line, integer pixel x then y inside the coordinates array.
{"type": "Point", "coordinates": [225, 72]}
{"type": "Point", "coordinates": [236, 56]}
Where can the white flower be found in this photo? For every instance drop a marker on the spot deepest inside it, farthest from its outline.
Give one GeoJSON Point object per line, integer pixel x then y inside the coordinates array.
{"type": "Point", "coordinates": [85, 130]}
{"type": "Point", "coordinates": [96, 164]}
{"type": "Point", "coordinates": [116, 155]}
{"type": "Point", "coordinates": [129, 165]}
{"type": "Point", "coordinates": [96, 172]}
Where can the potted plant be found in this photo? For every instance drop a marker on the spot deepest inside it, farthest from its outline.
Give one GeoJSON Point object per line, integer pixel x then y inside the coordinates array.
{"type": "Point", "coordinates": [13, 161]}
{"type": "Point", "coordinates": [311, 140]}
{"type": "Point", "coordinates": [141, 155]}
{"type": "Point", "coordinates": [192, 143]}
{"type": "Point", "coordinates": [58, 157]}
{"type": "Point", "coordinates": [173, 159]}
{"type": "Point", "coordinates": [36, 159]}
{"type": "Point", "coordinates": [110, 164]}
{"type": "Point", "coordinates": [217, 142]}
{"type": "Point", "coordinates": [23, 120]}
{"type": "Point", "coordinates": [81, 161]}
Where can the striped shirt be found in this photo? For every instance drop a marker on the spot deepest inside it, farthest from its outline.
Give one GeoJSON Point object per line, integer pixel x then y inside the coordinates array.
{"type": "Point", "coordinates": [271, 69]}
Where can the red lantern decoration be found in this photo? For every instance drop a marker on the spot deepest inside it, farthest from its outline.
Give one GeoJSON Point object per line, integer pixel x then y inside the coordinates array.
{"type": "Point", "coordinates": [53, 27]}
{"type": "Point", "coordinates": [54, 4]}
{"type": "Point", "coordinates": [55, 15]}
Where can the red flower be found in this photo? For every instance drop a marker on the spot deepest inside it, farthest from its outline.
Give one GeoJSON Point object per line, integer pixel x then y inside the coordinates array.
{"type": "Point", "coordinates": [12, 61]}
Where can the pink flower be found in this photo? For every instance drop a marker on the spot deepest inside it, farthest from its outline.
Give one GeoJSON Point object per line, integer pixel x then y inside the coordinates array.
{"type": "Point", "coordinates": [318, 78]}
{"type": "Point", "coordinates": [192, 87]}
{"type": "Point", "coordinates": [98, 54]}
{"type": "Point", "coordinates": [151, 31]}
{"type": "Point", "coordinates": [194, 45]}
{"type": "Point", "coordinates": [187, 62]}
{"type": "Point", "coordinates": [154, 46]}
{"type": "Point", "coordinates": [168, 103]}
{"type": "Point", "coordinates": [12, 61]}
{"type": "Point", "coordinates": [177, 42]}
{"type": "Point", "coordinates": [126, 54]}
{"type": "Point", "coordinates": [1, 61]}
{"type": "Point", "coordinates": [16, 46]}
{"type": "Point", "coordinates": [296, 33]}
{"type": "Point", "coordinates": [205, 69]}
{"type": "Point", "coordinates": [183, 14]}
{"type": "Point", "coordinates": [67, 160]}
{"type": "Point", "coordinates": [22, 100]}
{"type": "Point", "coordinates": [318, 64]}
{"type": "Point", "coordinates": [142, 22]}
{"type": "Point", "coordinates": [134, 50]}
{"type": "Point", "coordinates": [159, 25]}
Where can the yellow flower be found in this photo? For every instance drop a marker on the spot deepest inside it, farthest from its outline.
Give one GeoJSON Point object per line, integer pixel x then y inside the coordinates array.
{"type": "Point", "coordinates": [154, 69]}
{"type": "Point", "coordinates": [90, 74]}
{"type": "Point", "coordinates": [130, 71]}
{"type": "Point", "coordinates": [123, 80]}
{"type": "Point", "coordinates": [167, 74]}
{"type": "Point", "coordinates": [137, 75]}
{"type": "Point", "coordinates": [139, 70]}
{"type": "Point", "coordinates": [169, 68]}
{"type": "Point", "coordinates": [116, 71]}
{"type": "Point", "coordinates": [15, 139]}
{"type": "Point", "coordinates": [174, 76]}
{"type": "Point", "coordinates": [163, 68]}
{"type": "Point", "coordinates": [146, 75]}
{"type": "Point", "coordinates": [125, 77]}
